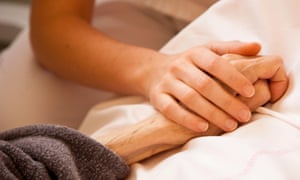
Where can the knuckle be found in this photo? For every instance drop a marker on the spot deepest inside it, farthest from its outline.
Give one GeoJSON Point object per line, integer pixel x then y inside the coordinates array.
{"type": "Point", "coordinates": [212, 64]}
{"type": "Point", "coordinates": [189, 120]}
{"type": "Point", "coordinates": [204, 84]}
{"type": "Point", "coordinates": [228, 103]}
{"type": "Point", "coordinates": [195, 53]}
{"type": "Point", "coordinates": [211, 114]}
{"type": "Point", "coordinates": [212, 45]}
{"type": "Point", "coordinates": [174, 69]}
{"type": "Point", "coordinates": [156, 91]}
{"type": "Point", "coordinates": [177, 66]}
{"type": "Point", "coordinates": [185, 119]}
{"type": "Point", "coordinates": [166, 107]}
{"type": "Point", "coordinates": [189, 96]}
{"type": "Point", "coordinates": [266, 94]}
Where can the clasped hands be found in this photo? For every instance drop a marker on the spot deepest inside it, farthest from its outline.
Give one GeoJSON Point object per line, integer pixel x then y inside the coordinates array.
{"type": "Point", "coordinates": [219, 83]}
{"type": "Point", "coordinates": [207, 90]}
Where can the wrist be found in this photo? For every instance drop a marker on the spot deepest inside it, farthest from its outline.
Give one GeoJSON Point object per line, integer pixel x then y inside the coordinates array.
{"type": "Point", "coordinates": [151, 71]}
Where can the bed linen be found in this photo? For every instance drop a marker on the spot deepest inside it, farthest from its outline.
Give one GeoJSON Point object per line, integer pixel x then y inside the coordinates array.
{"type": "Point", "coordinates": [266, 148]}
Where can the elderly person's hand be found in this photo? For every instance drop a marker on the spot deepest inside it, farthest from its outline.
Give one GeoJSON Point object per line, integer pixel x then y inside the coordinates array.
{"type": "Point", "coordinates": [266, 73]}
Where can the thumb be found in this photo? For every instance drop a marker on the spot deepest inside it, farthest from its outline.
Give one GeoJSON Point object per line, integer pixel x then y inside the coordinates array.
{"type": "Point", "coordinates": [234, 47]}
{"type": "Point", "coordinates": [269, 68]}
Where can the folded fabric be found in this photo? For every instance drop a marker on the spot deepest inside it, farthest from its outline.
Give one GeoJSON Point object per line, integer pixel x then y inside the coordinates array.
{"type": "Point", "coordinates": [56, 152]}
{"type": "Point", "coordinates": [266, 148]}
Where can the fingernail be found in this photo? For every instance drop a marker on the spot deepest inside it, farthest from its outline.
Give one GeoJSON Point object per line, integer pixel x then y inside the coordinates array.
{"type": "Point", "coordinates": [244, 115]}
{"type": "Point", "coordinates": [249, 90]}
{"type": "Point", "coordinates": [203, 126]}
{"type": "Point", "coordinates": [230, 124]}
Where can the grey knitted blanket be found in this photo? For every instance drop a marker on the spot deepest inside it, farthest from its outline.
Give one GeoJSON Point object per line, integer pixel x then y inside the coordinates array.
{"type": "Point", "coordinates": [56, 152]}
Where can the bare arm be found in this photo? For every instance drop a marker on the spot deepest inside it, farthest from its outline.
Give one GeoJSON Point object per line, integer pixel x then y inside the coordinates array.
{"type": "Point", "coordinates": [149, 137]}
{"type": "Point", "coordinates": [65, 43]}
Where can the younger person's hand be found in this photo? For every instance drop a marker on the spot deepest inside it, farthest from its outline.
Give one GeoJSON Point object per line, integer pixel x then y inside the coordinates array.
{"type": "Point", "coordinates": [201, 86]}
{"type": "Point", "coordinates": [187, 89]}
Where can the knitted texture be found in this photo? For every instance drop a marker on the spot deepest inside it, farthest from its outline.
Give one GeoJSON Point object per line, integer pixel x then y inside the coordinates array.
{"type": "Point", "coordinates": [56, 152]}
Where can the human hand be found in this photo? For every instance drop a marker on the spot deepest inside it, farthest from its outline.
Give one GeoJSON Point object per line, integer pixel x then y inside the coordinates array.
{"type": "Point", "coordinates": [157, 134]}
{"type": "Point", "coordinates": [187, 92]}
{"type": "Point", "coordinates": [266, 73]}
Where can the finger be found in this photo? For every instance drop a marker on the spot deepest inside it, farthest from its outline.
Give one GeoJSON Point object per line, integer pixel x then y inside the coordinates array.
{"type": "Point", "coordinates": [222, 70]}
{"type": "Point", "coordinates": [237, 58]}
{"type": "Point", "coordinates": [234, 47]}
{"type": "Point", "coordinates": [211, 90]}
{"type": "Point", "coordinates": [173, 111]}
{"type": "Point", "coordinates": [271, 68]}
{"type": "Point", "coordinates": [250, 69]}
{"type": "Point", "coordinates": [201, 106]}
{"type": "Point", "coordinates": [261, 97]}
{"type": "Point", "coordinates": [233, 57]}
{"type": "Point", "coordinates": [278, 84]}
{"type": "Point", "coordinates": [245, 65]}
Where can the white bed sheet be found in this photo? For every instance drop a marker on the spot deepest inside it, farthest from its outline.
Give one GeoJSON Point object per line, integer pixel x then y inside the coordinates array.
{"type": "Point", "coordinates": [266, 148]}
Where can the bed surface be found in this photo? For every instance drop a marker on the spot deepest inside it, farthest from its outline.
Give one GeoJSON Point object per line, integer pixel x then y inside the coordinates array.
{"type": "Point", "coordinates": [266, 148]}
